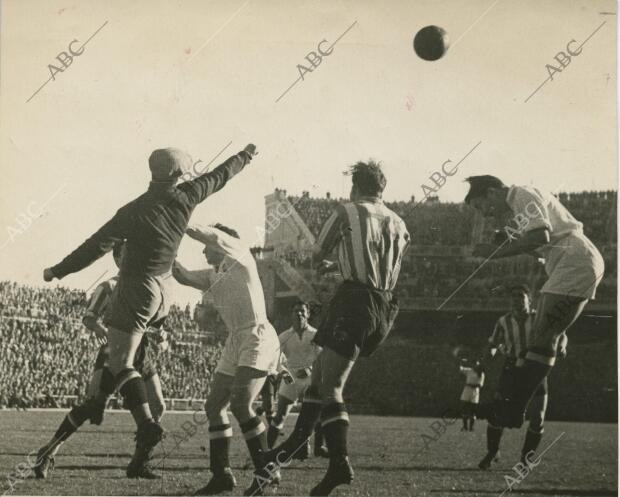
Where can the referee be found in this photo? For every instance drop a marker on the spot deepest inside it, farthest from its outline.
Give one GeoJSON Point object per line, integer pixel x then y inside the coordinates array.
{"type": "Point", "coordinates": [370, 241]}
{"type": "Point", "coordinates": [152, 225]}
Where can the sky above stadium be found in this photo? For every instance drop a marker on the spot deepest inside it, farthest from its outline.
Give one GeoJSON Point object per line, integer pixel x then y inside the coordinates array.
{"type": "Point", "coordinates": [208, 76]}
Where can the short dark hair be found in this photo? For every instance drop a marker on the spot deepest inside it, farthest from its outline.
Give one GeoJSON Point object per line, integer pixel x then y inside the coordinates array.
{"type": "Point", "coordinates": [368, 177]}
{"type": "Point", "coordinates": [300, 302]}
{"type": "Point", "coordinates": [226, 230]}
{"type": "Point", "coordinates": [521, 288]}
{"type": "Point", "coordinates": [117, 250]}
{"type": "Point", "coordinates": [479, 185]}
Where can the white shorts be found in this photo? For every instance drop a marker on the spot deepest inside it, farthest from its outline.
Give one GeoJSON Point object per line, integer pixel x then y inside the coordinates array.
{"type": "Point", "coordinates": [574, 266]}
{"type": "Point", "coordinates": [293, 391]}
{"type": "Point", "coordinates": [256, 347]}
{"type": "Point", "coordinates": [470, 394]}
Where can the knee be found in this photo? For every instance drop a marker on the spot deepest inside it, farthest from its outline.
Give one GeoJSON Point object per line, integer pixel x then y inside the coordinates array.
{"type": "Point", "coordinates": [158, 409]}
{"type": "Point", "coordinates": [215, 413]}
{"type": "Point", "coordinates": [241, 408]}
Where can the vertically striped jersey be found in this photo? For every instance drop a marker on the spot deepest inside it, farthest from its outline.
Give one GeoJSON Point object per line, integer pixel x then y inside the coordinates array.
{"type": "Point", "coordinates": [99, 300]}
{"type": "Point", "coordinates": [515, 334]}
{"type": "Point", "coordinates": [370, 240]}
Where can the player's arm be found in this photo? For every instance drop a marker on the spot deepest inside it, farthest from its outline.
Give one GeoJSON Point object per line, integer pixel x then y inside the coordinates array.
{"type": "Point", "coordinates": [208, 183]}
{"type": "Point", "coordinates": [99, 244]}
{"type": "Point", "coordinates": [220, 241]}
{"type": "Point", "coordinates": [96, 306]}
{"type": "Point", "coordinates": [196, 279]}
{"type": "Point", "coordinates": [532, 232]}
{"type": "Point", "coordinates": [562, 344]}
{"type": "Point", "coordinates": [331, 234]}
{"type": "Point", "coordinates": [525, 244]}
{"type": "Point", "coordinates": [495, 341]}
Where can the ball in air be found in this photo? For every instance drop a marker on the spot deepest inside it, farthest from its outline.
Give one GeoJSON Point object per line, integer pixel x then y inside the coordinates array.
{"type": "Point", "coordinates": [431, 43]}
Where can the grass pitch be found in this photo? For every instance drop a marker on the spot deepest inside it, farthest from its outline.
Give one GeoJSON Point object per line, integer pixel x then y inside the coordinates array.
{"type": "Point", "coordinates": [391, 456]}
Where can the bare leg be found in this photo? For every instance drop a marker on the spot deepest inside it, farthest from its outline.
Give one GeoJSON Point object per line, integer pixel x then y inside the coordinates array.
{"type": "Point", "coordinates": [155, 397]}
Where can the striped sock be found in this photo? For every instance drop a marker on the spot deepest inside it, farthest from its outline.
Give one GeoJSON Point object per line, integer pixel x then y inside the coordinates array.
{"type": "Point", "coordinates": [335, 424]}
{"type": "Point", "coordinates": [255, 438]}
{"type": "Point", "coordinates": [219, 447]}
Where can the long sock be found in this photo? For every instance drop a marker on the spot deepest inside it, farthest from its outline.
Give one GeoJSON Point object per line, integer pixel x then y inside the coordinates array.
{"type": "Point", "coordinates": [472, 420]}
{"type": "Point", "coordinates": [219, 447]}
{"type": "Point", "coordinates": [274, 430]}
{"type": "Point", "coordinates": [536, 366]}
{"type": "Point", "coordinates": [318, 435]}
{"type": "Point", "coordinates": [532, 440]}
{"type": "Point", "coordinates": [256, 439]}
{"type": "Point", "coordinates": [131, 387]}
{"type": "Point", "coordinates": [464, 422]}
{"type": "Point", "coordinates": [494, 436]}
{"type": "Point", "coordinates": [335, 424]}
{"type": "Point", "coordinates": [308, 416]}
{"type": "Point", "coordinates": [70, 424]}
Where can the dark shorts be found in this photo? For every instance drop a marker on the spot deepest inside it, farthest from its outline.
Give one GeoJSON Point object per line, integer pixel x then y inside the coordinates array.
{"type": "Point", "coordinates": [507, 377]}
{"type": "Point", "coordinates": [138, 302]}
{"type": "Point", "coordinates": [358, 320]}
{"type": "Point", "coordinates": [144, 361]}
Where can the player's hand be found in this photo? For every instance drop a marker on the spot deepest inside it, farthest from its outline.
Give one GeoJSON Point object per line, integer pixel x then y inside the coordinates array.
{"type": "Point", "coordinates": [101, 335]}
{"type": "Point", "coordinates": [286, 376]}
{"type": "Point", "coordinates": [250, 149]}
{"type": "Point", "coordinates": [562, 353]}
{"type": "Point", "coordinates": [484, 250]}
{"type": "Point", "coordinates": [195, 232]}
{"type": "Point", "coordinates": [48, 274]}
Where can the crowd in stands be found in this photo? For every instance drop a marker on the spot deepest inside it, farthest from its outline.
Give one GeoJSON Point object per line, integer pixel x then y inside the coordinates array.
{"type": "Point", "coordinates": [47, 355]}
{"type": "Point", "coordinates": [436, 224]}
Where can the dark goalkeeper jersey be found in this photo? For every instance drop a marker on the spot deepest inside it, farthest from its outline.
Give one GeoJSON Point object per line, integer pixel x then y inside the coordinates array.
{"type": "Point", "coordinates": [152, 224]}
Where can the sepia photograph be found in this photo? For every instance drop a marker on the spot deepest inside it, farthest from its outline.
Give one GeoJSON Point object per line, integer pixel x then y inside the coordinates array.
{"type": "Point", "coordinates": [308, 247]}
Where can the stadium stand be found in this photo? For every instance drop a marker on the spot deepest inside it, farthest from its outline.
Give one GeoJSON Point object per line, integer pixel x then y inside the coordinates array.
{"type": "Point", "coordinates": [47, 355]}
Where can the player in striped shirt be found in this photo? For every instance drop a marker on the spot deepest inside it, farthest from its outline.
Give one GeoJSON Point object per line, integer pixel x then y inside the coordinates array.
{"type": "Point", "coordinates": [369, 240]}
{"type": "Point", "coordinates": [102, 385]}
{"type": "Point", "coordinates": [513, 335]}
{"type": "Point", "coordinates": [540, 225]}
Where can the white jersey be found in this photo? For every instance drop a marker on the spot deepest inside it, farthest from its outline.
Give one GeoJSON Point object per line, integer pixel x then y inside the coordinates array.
{"type": "Point", "coordinates": [299, 353]}
{"type": "Point", "coordinates": [573, 263]}
{"type": "Point", "coordinates": [235, 286]}
{"type": "Point", "coordinates": [474, 381]}
{"type": "Point", "coordinates": [543, 210]}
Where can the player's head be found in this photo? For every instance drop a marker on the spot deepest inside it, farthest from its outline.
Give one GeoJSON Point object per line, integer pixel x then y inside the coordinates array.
{"type": "Point", "coordinates": [168, 164]}
{"type": "Point", "coordinates": [368, 180]}
{"type": "Point", "coordinates": [212, 254]}
{"type": "Point", "coordinates": [117, 252]}
{"type": "Point", "coordinates": [301, 313]}
{"type": "Point", "coordinates": [520, 298]}
{"type": "Point", "coordinates": [487, 194]}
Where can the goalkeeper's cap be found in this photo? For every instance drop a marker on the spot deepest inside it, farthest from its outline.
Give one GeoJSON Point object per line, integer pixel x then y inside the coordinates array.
{"type": "Point", "coordinates": [167, 164]}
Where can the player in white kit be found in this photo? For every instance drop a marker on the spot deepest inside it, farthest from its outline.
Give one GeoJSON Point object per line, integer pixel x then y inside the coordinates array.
{"type": "Point", "coordinates": [543, 226]}
{"type": "Point", "coordinates": [250, 353]}
{"type": "Point", "coordinates": [298, 353]}
{"type": "Point", "coordinates": [474, 381]}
